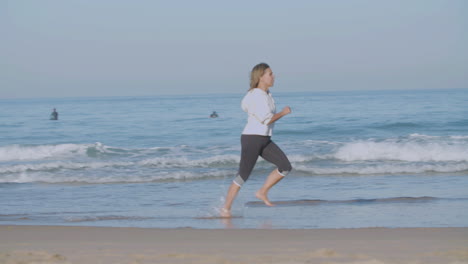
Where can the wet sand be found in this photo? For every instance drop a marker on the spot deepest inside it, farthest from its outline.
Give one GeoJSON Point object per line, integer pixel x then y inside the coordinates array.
{"type": "Point", "coordinates": [109, 245]}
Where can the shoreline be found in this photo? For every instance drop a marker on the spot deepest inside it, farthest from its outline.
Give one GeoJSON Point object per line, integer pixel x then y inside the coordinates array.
{"type": "Point", "coordinates": [82, 244]}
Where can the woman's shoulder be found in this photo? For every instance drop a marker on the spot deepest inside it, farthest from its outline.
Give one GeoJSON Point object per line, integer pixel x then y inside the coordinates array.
{"type": "Point", "coordinates": [250, 95]}
{"type": "Point", "coordinates": [256, 92]}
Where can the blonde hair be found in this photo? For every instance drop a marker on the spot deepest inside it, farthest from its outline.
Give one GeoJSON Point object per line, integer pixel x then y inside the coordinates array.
{"type": "Point", "coordinates": [257, 73]}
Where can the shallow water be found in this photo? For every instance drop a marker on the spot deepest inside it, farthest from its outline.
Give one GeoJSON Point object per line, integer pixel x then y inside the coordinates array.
{"type": "Point", "coordinates": [361, 159]}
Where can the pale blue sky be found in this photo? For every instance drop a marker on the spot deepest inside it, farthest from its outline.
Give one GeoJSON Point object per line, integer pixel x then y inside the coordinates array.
{"type": "Point", "coordinates": [61, 48]}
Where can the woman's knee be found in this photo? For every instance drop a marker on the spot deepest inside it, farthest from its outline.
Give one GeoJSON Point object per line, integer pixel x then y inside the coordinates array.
{"type": "Point", "coordinates": [285, 169]}
{"type": "Point", "coordinates": [241, 179]}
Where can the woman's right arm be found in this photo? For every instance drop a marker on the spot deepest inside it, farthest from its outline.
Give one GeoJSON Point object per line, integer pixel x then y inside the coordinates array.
{"type": "Point", "coordinates": [286, 111]}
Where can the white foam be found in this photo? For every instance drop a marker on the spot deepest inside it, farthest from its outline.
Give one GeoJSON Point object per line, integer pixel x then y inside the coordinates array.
{"type": "Point", "coordinates": [459, 137]}
{"type": "Point", "coordinates": [383, 169]}
{"type": "Point", "coordinates": [455, 137]}
{"type": "Point", "coordinates": [416, 135]}
{"type": "Point", "coordinates": [184, 162]}
{"type": "Point", "coordinates": [60, 151]}
{"type": "Point", "coordinates": [96, 218]}
{"type": "Point", "coordinates": [84, 163]}
{"type": "Point", "coordinates": [294, 158]}
{"type": "Point", "coordinates": [61, 165]}
{"type": "Point", "coordinates": [112, 178]}
{"type": "Point", "coordinates": [160, 163]}
{"type": "Point", "coordinates": [70, 151]}
{"type": "Point", "coordinates": [405, 150]}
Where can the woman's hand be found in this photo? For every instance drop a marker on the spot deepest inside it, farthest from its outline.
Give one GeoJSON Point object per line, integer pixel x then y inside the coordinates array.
{"type": "Point", "coordinates": [286, 110]}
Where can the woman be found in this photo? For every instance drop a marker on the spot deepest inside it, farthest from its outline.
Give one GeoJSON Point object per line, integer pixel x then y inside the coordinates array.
{"type": "Point", "coordinates": [255, 139]}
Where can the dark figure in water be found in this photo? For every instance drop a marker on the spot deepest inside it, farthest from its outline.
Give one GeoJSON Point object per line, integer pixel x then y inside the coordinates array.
{"type": "Point", "coordinates": [214, 114]}
{"type": "Point", "coordinates": [54, 115]}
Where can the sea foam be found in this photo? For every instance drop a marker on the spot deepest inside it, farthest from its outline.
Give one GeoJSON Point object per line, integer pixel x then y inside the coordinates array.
{"type": "Point", "coordinates": [122, 176]}
{"type": "Point", "coordinates": [99, 163]}
{"type": "Point", "coordinates": [409, 149]}
{"type": "Point", "coordinates": [39, 152]}
{"type": "Point", "coordinates": [369, 169]}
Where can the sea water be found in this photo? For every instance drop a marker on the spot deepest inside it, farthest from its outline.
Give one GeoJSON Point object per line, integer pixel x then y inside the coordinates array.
{"type": "Point", "coordinates": [360, 159]}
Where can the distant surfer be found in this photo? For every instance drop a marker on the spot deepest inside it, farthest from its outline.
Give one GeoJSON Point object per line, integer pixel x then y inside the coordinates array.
{"type": "Point", "coordinates": [54, 115]}
{"type": "Point", "coordinates": [256, 137]}
{"type": "Point", "coordinates": [214, 114]}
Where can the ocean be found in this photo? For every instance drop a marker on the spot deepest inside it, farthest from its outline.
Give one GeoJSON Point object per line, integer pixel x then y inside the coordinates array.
{"type": "Point", "coordinates": [360, 159]}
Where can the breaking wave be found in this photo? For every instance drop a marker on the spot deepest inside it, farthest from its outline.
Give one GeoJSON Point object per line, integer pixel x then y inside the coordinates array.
{"type": "Point", "coordinates": [98, 163]}
{"type": "Point", "coordinates": [60, 151]}
{"type": "Point", "coordinates": [404, 150]}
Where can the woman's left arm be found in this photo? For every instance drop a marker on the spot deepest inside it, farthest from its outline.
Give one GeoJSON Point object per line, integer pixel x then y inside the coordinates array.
{"type": "Point", "coordinates": [286, 111]}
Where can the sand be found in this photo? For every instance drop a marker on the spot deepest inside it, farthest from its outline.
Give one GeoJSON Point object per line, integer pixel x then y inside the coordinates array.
{"type": "Point", "coordinates": [60, 244]}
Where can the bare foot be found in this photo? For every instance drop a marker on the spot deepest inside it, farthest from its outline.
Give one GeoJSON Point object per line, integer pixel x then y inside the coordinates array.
{"type": "Point", "coordinates": [262, 196]}
{"type": "Point", "coordinates": [225, 213]}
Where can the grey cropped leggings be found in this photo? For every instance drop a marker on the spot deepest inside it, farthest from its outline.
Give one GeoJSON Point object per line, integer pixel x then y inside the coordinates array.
{"type": "Point", "coordinates": [254, 146]}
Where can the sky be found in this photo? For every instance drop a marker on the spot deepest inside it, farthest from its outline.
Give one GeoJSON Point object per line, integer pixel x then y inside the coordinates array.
{"type": "Point", "coordinates": [56, 48]}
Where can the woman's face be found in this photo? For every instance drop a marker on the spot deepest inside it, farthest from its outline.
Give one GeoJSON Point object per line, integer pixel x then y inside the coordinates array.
{"type": "Point", "coordinates": [268, 78]}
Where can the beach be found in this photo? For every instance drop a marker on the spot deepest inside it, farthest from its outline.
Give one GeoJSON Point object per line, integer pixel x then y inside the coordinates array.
{"type": "Point", "coordinates": [106, 245]}
{"type": "Point", "coordinates": [142, 132]}
{"type": "Point", "coordinates": [101, 186]}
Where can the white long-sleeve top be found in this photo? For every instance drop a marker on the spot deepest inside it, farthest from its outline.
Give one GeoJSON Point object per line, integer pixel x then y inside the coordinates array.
{"type": "Point", "coordinates": [260, 108]}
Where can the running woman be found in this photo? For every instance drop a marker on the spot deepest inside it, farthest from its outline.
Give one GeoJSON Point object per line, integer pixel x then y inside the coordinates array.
{"type": "Point", "coordinates": [256, 137]}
